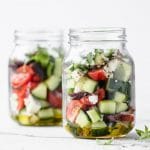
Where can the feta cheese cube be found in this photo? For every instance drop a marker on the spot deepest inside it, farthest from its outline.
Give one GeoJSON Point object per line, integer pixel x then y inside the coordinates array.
{"type": "Point", "coordinates": [93, 99]}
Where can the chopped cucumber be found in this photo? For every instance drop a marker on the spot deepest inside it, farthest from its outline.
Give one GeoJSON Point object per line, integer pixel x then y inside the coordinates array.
{"type": "Point", "coordinates": [123, 72]}
{"type": "Point", "coordinates": [119, 97]}
{"type": "Point", "coordinates": [93, 115]}
{"type": "Point", "coordinates": [57, 113]}
{"type": "Point", "coordinates": [86, 84]}
{"type": "Point", "coordinates": [116, 85]}
{"type": "Point", "coordinates": [50, 69]}
{"type": "Point", "coordinates": [107, 106]}
{"type": "Point", "coordinates": [46, 113]}
{"type": "Point", "coordinates": [53, 82]}
{"type": "Point", "coordinates": [58, 67]}
{"type": "Point", "coordinates": [40, 91]}
{"type": "Point", "coordinates": [121, 107]}
{"type": "Point", "coordinates": [99, 128]}
{"type": "Point", "coordinates": [82, 119]}
{"type": "Point", "coordinates": [44, 104]}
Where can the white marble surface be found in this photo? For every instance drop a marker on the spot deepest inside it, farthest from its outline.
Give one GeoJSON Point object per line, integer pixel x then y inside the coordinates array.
{"type": "Point", "coordinates": [16, 137]}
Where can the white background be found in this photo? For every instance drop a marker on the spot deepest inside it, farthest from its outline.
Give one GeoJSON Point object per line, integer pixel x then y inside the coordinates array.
{"type": "Point", "coordinates": [132, 14]}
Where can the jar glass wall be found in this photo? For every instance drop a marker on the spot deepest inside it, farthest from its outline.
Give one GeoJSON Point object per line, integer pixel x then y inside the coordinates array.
{"type": "Point", "coordinates": [98, 84]}
{"type": "Point", "coordinates": [35, 68]}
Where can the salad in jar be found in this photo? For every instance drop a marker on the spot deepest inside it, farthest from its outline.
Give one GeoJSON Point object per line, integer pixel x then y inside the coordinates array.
{"type": "Point", "coordinates": [99, 95]}
{"type": "Point", "coordinates": [35, 88]}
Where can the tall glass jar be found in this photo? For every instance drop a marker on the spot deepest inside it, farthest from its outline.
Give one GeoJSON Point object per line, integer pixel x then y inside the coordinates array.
{"type": "Point", "coordinates": [35, 68]}
{"type": "Point", "coordinates": [98, 84]}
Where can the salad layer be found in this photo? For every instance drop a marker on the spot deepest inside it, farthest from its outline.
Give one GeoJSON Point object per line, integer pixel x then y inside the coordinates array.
{"type": "Point", "coordinates": [35, 89]}
{"type": "Point", "coordinates": [99, 95]}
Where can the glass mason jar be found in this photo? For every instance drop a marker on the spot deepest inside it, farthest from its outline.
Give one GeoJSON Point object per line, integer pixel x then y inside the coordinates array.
{"type": "Point", "coordinates": [98, 84]}
{"type": "Point", "coordinates": [35, 68]}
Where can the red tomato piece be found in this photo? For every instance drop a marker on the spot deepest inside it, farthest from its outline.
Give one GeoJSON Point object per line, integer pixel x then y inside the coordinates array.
{"type": "Point", "coordinates": [36, 78]}
{"type": "Point", "coordinates": [21, 93]}
{"type": "Point", "coordinates": [33, 85]}
{"type": "Point", "coordinates": [73, 109]}
{"type": "Point", "coordinates": [20, 103]}
{"type": "Point", "coordinates": [55, 99]}
{"type": "Point", "coordinates": [20, 79]}
{"type": "Point", "coordinates": [25, 69]}
{"type": "Point", "coordinates": [97, 75]}
{"type": "Point", "coordinates": [101, 93]}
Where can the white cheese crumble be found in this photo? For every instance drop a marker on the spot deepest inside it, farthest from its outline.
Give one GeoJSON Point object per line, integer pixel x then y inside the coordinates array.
{"type": "Point", "coordinates": [76, 74]}
{"type": "Point", "coordinates": [93, 99]}
{"type": "Point", "coordinates": [32, 105]}
{"type": "Point", "coordinates": [14, 103]}
{"type": "Point", "coordinates": [111, 67]}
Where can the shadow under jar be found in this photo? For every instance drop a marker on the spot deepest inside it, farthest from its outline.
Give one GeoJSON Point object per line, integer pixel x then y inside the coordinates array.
{"type": "Point", "coordinates": [98, 84]}
{"type": "Point", "coordinates": [35, 68]}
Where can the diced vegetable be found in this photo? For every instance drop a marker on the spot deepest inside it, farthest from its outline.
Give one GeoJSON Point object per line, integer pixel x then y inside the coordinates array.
{"type": "Point", "coordinates": [116, 85]}
{"type": "Point", "coordinates": [55, 99]}
{"type": "Point", "coordinates": [97, 75]}
{"type": "Point", "coordinates": [121, 107]}
{"type": "Point", "coordinates": [58, 67]}
{"type": "Point", "coordinates": [86, 84]}
{"type": "Point", "coordinates": [50, 69]}
{"type": "Point", "coordinates": [123, 72]}
{"type": "Point", "coordinates": [107, 107]}
{"type": "Point", "coordinates": [53, 82]}
{"type": "Point", "coordinates": [82, 119]}
{"type": "Point", "coordinates": [119, 97]}
{"type": "Point", "coordinates": [94, 115]}
{"type": "Point", "coordinates": [99, 128]}
{"type": "Point", "coordinates": [41, 56]}
{"type": "Point", "coordinates": [40, 91]}
{"type": "Point", "coordinates": [73, 109]}
{"type": "Point", "coordinates": [46, 113]}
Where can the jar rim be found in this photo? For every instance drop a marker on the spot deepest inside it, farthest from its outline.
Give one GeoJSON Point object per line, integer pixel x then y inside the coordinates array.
{"type": "Point", "coordinates": [97, 34]}
{"type": "Point", "coordinates": [97, 29]}
{"type": "Point", "coordinates": [37, 35]}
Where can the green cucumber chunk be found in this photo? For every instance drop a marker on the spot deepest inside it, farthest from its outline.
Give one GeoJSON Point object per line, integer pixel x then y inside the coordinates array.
{"type": "Point", "coordinates": [86, 84]}
{"type": "Point", "coordinates": [93, 115]}
{"type": "Point", "coordinates": [58, 67]}
{"type": "Point", "coordinates": [50, 69]}
{"type": "Point", "coordinates": [82, 119]}
{"type": "Point", "coordinates": [99, 128]}
{"type": "Point", "coordinates": [119, 97]}
{"type": "Point", "coordinates": [107, 107]}
{"type": "Point", "coordinates": [123, 72]}
{"type": "Point", "coordinates": [40, 91]}
{"type": "Point", "coordinates": [53, 82]}
{"type": "Point", "coordinates": [121, 107]}
{"type": "Point", "coordinates": [46, 113]}
{"type": "Point", "coordinates": [44, 104]}
{"type": "Point", "coordinates": [116, 85]}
